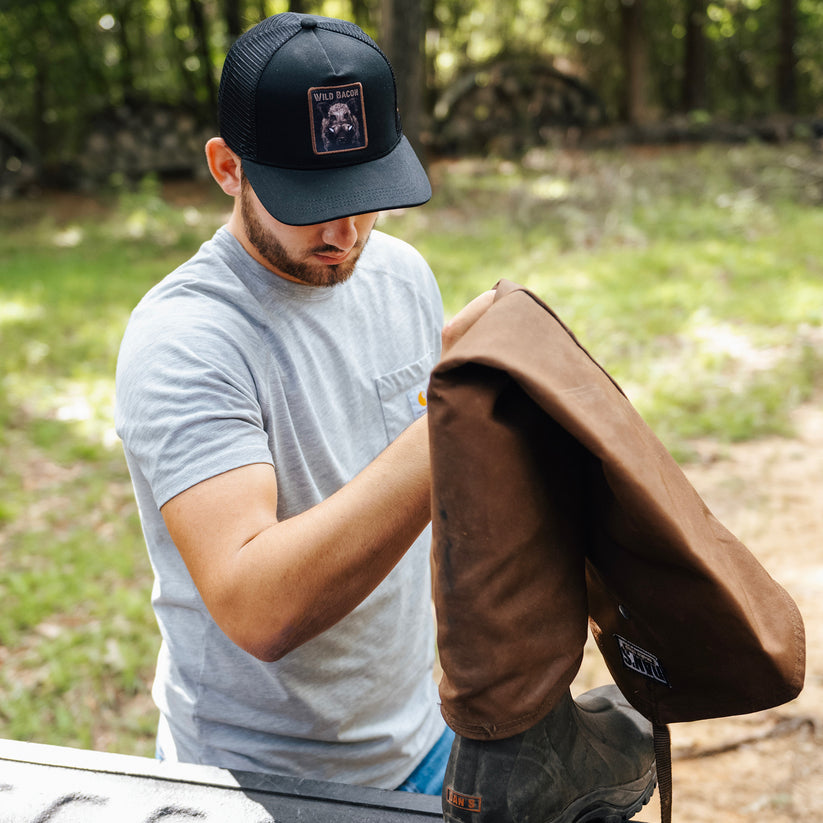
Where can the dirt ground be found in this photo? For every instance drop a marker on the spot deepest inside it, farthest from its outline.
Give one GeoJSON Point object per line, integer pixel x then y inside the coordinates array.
{"type": "Point", "coordinates": [765, 767]}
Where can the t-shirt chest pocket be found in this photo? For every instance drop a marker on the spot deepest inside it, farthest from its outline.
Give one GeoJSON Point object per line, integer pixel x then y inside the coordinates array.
{"type": "Point", "coordinates": [402, 395]}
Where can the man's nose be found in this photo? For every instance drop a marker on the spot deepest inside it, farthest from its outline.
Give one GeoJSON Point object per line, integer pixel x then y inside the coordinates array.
{"type": "Point", "coordinates": [342, 233]}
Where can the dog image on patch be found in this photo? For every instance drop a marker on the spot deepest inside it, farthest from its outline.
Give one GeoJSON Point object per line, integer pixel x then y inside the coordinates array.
{"type": "Point", "coordinates": [338, 123]}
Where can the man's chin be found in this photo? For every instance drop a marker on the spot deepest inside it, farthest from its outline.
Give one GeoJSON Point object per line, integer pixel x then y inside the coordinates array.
{"type": "Point", "coordinates": [309, 274]}
{"type": "Point", "coordinates": [325, 276]}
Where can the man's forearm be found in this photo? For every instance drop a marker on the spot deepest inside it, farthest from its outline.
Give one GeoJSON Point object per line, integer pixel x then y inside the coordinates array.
{"type": "Point", "coordinates": [272, 585]}
{"type": "Point", "coordinates": [298, 577]}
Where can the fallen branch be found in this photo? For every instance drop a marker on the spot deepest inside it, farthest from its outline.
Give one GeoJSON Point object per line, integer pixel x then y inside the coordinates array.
{"type": "Point", "coordinates": [783, 728]}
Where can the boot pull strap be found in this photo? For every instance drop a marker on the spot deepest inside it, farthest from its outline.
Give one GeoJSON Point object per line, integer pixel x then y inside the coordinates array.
{"type": "Point", "coordinates": [663, 756]}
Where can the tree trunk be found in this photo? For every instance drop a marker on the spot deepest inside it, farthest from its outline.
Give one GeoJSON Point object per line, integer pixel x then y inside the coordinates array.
{"type": "Point", "coordinates": [694, 69]}
{"type": "Point", "coordinates": [126, 53]}
{"type": "Point", "coordinates": [179, 50]}
{"type": "Point", "coordinates": [42, 38]}
{"type": "Point", "coordinates": [402, 37]}
{"type": "Point", "coordinates": [360, 13]}
{"type": "Point", "coordinates": [197, 15]}
{"type": "Point", "coordinates": [234, 19]}
{"type": "Point", "coordinates": [635, 60]}
{"type": "Point", "coordinates": [787, 61]}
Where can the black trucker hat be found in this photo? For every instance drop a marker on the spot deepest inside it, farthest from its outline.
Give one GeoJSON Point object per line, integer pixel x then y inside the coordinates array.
{"type": "Point", "coordinates": [310, 105]}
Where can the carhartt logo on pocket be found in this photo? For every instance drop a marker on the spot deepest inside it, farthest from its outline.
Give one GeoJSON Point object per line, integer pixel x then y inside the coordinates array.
{"type": "Point", "coordinates": [417, 402]}
{"type": "Point", "coordinates": [641, 661]}
{"type": "Point", "coordinates": [338, 118]}
{"type": "Point", "coordinates": [463, 801]}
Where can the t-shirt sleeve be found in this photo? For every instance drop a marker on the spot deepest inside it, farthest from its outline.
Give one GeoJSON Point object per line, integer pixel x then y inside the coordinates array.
{"type": "Point", "coordinates": [187, 408]}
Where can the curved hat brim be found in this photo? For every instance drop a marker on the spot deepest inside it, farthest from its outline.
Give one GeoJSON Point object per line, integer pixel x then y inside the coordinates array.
{"type": "Point", "coordinates": [300, 197]}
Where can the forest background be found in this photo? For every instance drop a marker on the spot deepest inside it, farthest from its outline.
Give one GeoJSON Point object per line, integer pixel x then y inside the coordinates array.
{"type": "Point", "coordinates": [653, 169]}
{"type": "Point", "coordinates": [473, 75]}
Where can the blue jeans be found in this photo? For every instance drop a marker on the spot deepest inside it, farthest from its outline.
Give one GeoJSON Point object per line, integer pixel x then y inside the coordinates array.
{"type": "Point", "coordinates": [427, 778]}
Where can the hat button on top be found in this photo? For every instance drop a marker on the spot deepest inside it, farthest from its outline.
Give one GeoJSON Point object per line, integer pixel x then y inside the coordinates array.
{"type": "Point", "coordinates": [308, 23]}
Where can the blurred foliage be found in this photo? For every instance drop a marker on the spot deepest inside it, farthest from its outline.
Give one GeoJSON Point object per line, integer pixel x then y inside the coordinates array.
{"type": "Point", "coordinates": [62, 62]}
{"type": "Point", "coordinates": [78, 639]}
{"type": "Point", "coordinates": [741, 53]}
{"type": "Point", "coordinates": [693, 276]}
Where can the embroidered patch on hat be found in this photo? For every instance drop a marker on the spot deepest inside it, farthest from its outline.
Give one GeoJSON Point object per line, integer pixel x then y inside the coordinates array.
{"type": "Point", "coordinates": [338, 118]}
{"type": "Point", "coordinates": [641, 661]}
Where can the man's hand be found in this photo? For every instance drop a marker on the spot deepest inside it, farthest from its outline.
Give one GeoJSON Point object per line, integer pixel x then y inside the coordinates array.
{"type": "Point", "coordinates": [465, 319]}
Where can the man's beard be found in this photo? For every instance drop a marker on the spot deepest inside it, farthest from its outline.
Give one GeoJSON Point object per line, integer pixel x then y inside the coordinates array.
{"type": "Point", "coordinates": [273, 252]}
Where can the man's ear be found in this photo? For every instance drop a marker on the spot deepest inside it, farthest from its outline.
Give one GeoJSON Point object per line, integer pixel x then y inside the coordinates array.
{"type": "Point", "coordinates": [224, 165]}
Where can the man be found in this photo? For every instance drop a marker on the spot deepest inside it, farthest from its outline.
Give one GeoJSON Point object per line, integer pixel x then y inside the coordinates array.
{"type": "Point", "coordinates": [271, 399]}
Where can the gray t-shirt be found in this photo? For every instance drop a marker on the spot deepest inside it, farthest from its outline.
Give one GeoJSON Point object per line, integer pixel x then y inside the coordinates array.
{"type": "Point", "coordinates": [224, 364]}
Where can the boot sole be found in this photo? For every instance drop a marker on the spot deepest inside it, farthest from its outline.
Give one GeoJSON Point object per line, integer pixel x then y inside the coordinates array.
{"type": "Point", "coordinates": [613, 805]}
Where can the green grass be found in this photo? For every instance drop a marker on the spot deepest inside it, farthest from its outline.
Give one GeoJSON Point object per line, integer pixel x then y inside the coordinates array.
{"type": "Point", "coordinates": [77, 635]}
{"type": "Point", "coordinates": [694, 276]}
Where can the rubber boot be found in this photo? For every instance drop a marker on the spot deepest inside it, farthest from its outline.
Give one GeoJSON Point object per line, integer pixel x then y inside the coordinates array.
{"type": "Point", "coordinates": [588, 760]}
